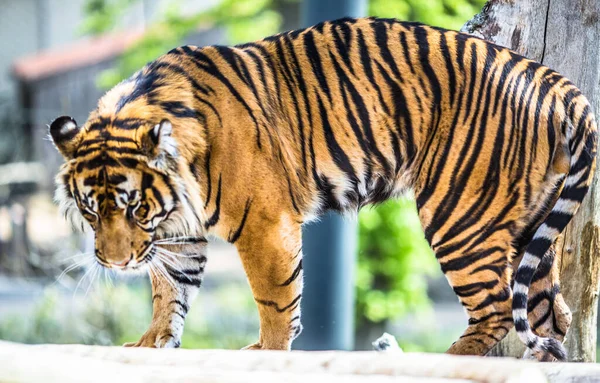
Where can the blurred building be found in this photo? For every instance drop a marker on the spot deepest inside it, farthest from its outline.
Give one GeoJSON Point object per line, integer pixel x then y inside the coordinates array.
{"type": "Point", "coordinates": [33, 26]}
{"type": "Point", "coordinates": [53, 68]}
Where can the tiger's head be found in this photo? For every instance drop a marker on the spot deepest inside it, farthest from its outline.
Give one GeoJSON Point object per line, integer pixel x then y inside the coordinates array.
{"type": "Point", "coordinates": [124, 179]}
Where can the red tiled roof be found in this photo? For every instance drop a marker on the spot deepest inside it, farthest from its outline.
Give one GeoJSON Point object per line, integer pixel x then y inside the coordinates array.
{"type": "Point", "coordinates": [75, 55]}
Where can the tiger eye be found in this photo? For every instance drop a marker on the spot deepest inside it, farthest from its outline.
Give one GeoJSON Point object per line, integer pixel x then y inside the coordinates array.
{"type": "Point", "coordinates": [142, 210]}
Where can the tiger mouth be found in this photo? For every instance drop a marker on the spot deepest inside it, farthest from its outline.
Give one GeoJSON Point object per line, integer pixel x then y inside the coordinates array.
{"type": "Point", "coordinates": [134, 263]}
{"type": "Point", "coordinates": [144, 259]}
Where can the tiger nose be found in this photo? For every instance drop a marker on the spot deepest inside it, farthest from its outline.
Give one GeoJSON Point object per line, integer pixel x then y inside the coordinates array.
{"type": "Point", "coordinates": [122, 263]}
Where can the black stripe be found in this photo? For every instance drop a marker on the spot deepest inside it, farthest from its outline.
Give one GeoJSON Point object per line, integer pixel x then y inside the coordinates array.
{"type": "Point", "coordinates": [232, 238]}
{"type": "Point", "coordinates": [116, 179]}
{"type": "Point", "coordinates": [366, 62]}
{"type": "Point", "coordinates": [538, 246]}
{"type": "Point", "coordinates": [545, 267]}
{"type": "Point", "coordinates": [381, 38]}
{"type": "Point", "coordinates": [103, 140]}
{"type": "Point", "coordinates": [286, 72]}
{"type": "Point", "coordinates": [201, 88]}
{"type": "Point", "coordinates": [144, 83]}
{"type": "Point", "coordinates": [208, 179]}
{"type": "Point", "coordinates": [541, 320]}
{"type": "Point", "coordinates": [468, 259]}
{"type": "Point", "coordinates": [238, 65]}
{"type": "Point", "coordinates": [294, 275]}
{"type": "Point", "coordinates": [445, 51]}
{"type": "Point", "coordinates": [544, 295]}
{"type": "Point", "coordinates": [215, 217]}
{"type": "Point", "coordinates": [182, 278]}
{"type": "Point", "coordinates": [127, 123]}
{"type": "Point", "coordinates": [490, 299]}
{"type": "Point", "coordinates": [276, 306]}
{"type": "Point", "coordinates": [179, 110]}
{"type": "Point", "coordinates": [315, 61]}
{"type": "Point", "coordinates": [337, 153]}
{"type": "Point", "coordinates": [363, 115]}
{"type": "Point", "coordinates": [128, 162]}
{"type": "Point", "coordinates": [474, 321]}
{"type": "Point", "coordinates": [193, 168]}
{"type": "Point", "coordinates": [169, 335]}
{"type": "Point", "coordinates": [473, 288]}
{"type": "Point", "coordinates": [181, 304]}
{"type": "Point", "coordinates": [524, 275]}
{"type": "Point", "coordinates": [102, 160]}
{"type": "Point", "coordinates": [204, 63]}
{"type": "Point", "coordinates": [299, 76]}
{"type": "Point", "coordinates": [521, 325]}
{"type": "Point", "coordinates": [342, 38]}
{"type": "Point", "coordinates": [423, 43]}
{"type": "Point", "coordinates": [406, 51]}
{"type": "Point", "coordinates": [402, 115]}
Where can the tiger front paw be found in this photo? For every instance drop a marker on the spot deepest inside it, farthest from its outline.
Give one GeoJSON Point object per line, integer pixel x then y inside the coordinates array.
{"type": "Point", "coordinates": [254, 346]}
{"type": "Point", "coordinates": [157, 337]}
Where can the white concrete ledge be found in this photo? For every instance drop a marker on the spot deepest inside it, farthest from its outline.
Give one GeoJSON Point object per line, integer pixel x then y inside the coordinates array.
{"type": "Point", "coordinates": [77, 363]}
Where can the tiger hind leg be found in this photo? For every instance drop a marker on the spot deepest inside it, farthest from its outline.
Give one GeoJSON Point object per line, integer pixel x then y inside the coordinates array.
{"type": "Point", "coordinates": [548, 312]}
{"type": "Point", "coordinates": [483, 288]}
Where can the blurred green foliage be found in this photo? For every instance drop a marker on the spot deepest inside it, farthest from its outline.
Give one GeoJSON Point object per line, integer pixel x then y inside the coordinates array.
{"type": "Point", "coordinates": [113, 315]}
{"type": "Point", "coordinates": [394, 258]}
{"type": "Point", "coordinates": [393, 261]}
{"type": "Point", "coordinates": [102, 16]}
{"type": "Point", "coordinates": [451, 14]}
{"type": "Point", "coordinates": [243, 20]}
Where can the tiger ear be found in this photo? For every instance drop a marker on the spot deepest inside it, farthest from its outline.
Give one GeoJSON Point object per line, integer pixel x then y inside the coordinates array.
{"type": "Point", "coordinates": [66, 135]}
{"type": "Point", "coordinates": [160, 146]}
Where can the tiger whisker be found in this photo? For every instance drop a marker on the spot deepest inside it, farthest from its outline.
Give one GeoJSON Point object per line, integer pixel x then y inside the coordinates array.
{"type": "Point", "coordinates": [176, 243]}
{"type": "Point", "coordinates": [93, 279]}
{"type": "Point", "coordinates": [171, 263]}
{"type": "Point", "coordinates": [79, 255]}
{"type": "Point", "coordinates": [174, 254]}
{"type": "Point", "coordinates": [165, 258]}
{"type": "Point", "coordinates": [72, 267]}
{"type": "Point", "coordinates": [158, 270]}
{"type": "Point", "coordinates": [87, 273]}
{"type": "Point", "coordinates": [165, 274]}
{"type": "Point", "coordinates": [178, 240]}
{"type": "Point", "coordinates": [106, 280]}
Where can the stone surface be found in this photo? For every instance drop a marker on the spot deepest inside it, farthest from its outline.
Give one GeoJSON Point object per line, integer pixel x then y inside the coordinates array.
{"type": "Point", "coordinates": [78, 363]}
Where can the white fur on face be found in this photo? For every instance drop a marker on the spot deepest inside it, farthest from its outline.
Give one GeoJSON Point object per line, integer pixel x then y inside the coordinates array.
{"type": "Point", "coordinates": [66, 203]}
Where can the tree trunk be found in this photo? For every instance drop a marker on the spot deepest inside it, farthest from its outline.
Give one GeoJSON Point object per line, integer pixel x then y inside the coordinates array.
{"type": "Point", "coordinates": [565, 36]}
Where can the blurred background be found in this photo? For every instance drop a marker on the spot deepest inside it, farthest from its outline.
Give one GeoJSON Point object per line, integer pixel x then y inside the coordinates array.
{"type": "Point", "coordinates": [58, 57]}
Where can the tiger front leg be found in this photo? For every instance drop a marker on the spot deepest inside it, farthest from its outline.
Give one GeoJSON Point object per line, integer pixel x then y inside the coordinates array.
{"type": "Point", "coordinates": [176, 274]}
{"type": "Point", "coordinates": [272, 260]}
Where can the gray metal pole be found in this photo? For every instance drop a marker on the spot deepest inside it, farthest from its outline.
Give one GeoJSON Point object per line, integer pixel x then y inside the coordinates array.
{"type": "Point", "coordinates": [329, 245]}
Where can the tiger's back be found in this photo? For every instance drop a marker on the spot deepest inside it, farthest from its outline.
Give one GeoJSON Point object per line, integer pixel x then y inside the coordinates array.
{"type": "Point", "coordinates": [497, 149]}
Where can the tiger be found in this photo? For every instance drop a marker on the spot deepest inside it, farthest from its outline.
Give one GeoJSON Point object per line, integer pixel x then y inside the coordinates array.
{"type": "Point", "coordinates": [248, 143]}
